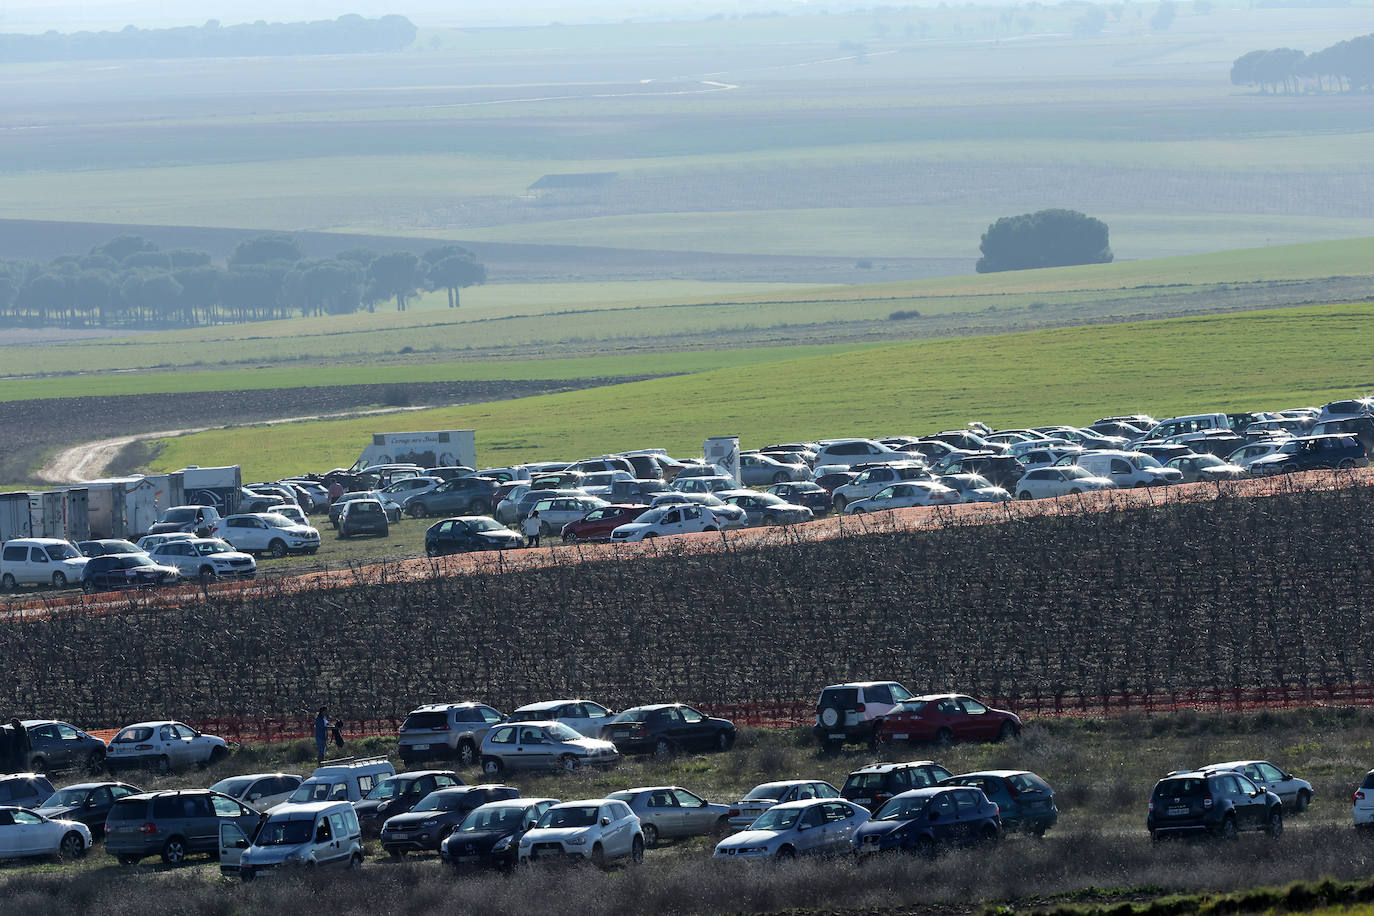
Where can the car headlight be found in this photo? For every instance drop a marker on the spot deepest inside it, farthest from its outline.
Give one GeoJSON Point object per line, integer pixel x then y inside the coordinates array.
{"type": "Point", "coordinates": [430, 823]}
{"type": "Point", "coordinates": [577, 841]}
{"type": "Point", "coordinates": [502, 844]}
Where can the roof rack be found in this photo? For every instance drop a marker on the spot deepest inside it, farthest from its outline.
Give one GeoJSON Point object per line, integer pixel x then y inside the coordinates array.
{"type": "Point", "coordinates": [337, 760]}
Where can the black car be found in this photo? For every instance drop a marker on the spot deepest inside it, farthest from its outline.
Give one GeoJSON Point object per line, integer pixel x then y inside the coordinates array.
{"type": "Point", "coordinates": [999, 470]}
{"type": "Point", "coordinates": [470, 532]}
{"type": "Point", "coordinates": [24, 790]}
{"type": "Point", "coordinates": [89, 803]}
{"type": "Point", "coordinates": [474, 495]}
{"type": "Point", "coordinates": [873, 785]}
{"type": "Point", "coordinates": [425, 827]}
{"type": "Point", "coordinates": [1219, 803]}
{"type": "Point", "coordinates": [363, 516]}
{"type": "Point", "coordinates": [398, 794]}
{"type": "Point", "coordinates": [811, 495]}
{"type": "Point", "coordinates": [1362, 427]}
{"type": "Point", "coordinates": [57, 746]}
{"type": "Point", "coordinates": [1024, 801]}
{"type": "Point", "coordinates": [99, 548]}
{"type": "Point", "coordinates": [126, 570]}
{"type": "Point", "coordinates": [665, 729]}
{"type": "Point", "coordinates": [489, 837]}
{"type": "Point", "coordinates": [1311, 453]}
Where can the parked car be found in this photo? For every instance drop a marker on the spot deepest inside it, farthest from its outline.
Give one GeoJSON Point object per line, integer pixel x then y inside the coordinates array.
{"type": "Point", "coordinates": [671, 812]}
{"type": "Point", "coordinates": [924, 820]}
{"type": "Point", "coordinates": [1362, 803]}
{"type": "Point", "coordinates": [873, 785]}
{"type": "Point", "coordinates": [857, 451]}
{"type": "Point", "coordinates": [599, 484]}
{"type": "Point", "coordinates": [803, 828]}
{"type": "Point", "coordinates": [765, 508]}
{"type": "Point", "coordinates": [712, 484]}
{"type": "Point", "coordinates": [150, 542]}
{"type": "Point", "coordinates": [945, 718]}
{"type": "Point", "coordinates": [88, 803]}
{"type": "Point", "coordinates": [598, 830]}
{"type": "Point", "coordinates": [1024, 801]}
{"type": "Point", "coordinates": [849, 712]}
{"type": "Point", "coordinates": [770, 794]}
{"type": "Point", "coordinates": [582, 716]}
{"type": "Point", "coordinates": [173, 824]}
{"type": "Point", "coordinates": [268, 532]}
{"type": "Point", "coordinates": [1060, 481]}
{"type": "Point", "coordinates": [103, 546]}
{"type": "Point", "coordinates": [292, 513]}
{"type": "Point", "coordinates": [803, 493]}
{"type": "Point", "coordinates": [163, 745]}
{"type": "Point", "coordinates": [489, 837]}
{"type": "Point", "coordinates": [1206, 468]}
{"type": "Point", "coordinates": [908, 495]}
{"type": "Point", "coordinates": [544, 745]}
{"type": "Point", "coordinates": [446, 730]}
{"type": "Point", "coordinates": [666, 728]}
{"type": "Point", "coordinates": [196, 520]}
{"type": "Point", "coordinates": [39, 561]}
{"type": "Point", "coordinates": [728, 517]}
{"type": "Point", "coordinates": [347, 780]}
{"type": "Point", "coordinates": [1347, 407]}
{"type": "Point", "coordinates": [1361, 427]}
{"type": "Point", "coordinates": [468, 533]}
{"type": "Point", "coordinates": [1312, 453]}
{"type": "Point", "coordinates": [25, 833]}
{"type": "Point", "coordinates": [126, 570]}
{"type": "Point", "coordinates": [973, 488]}
{"type": "Point", "coordinates": [872, 481]}
{"type": "Point", "coordinates": [1246, 454]}
{"type": "Point", "coordinates": [58, 746]}
{"type": "Point", "coordinates": [311, 835]}
{"type": "Point", "coordinates": [684, 518]}
{"type": "Point", "coordinates": [598, 524]}
{"type": "Point", "coordinates": [829, 479]}
{"type": "Point", "coordinates": [259, 791]}
{"type": "Point", "coordinates": [557, 511]}
{"type": "Point", "coordinates": [1128, 469]}
{"type": "Point", "coordinates": [425, 827]}
{"type": "Point", "coordinates": [205, 559]}
{"type": "Point", "coordinates": [25, 790]}
{"type": "Point", "coordinates": [1296, 794]}
{"type": "Point", "coordinates": [363, 516]}
{"type": "Point", "coordinates": [473, 495]}
{"type": "Point", "coordinates": [758, 470]}
{"type": "Point", "coordinates": [390, 506]}
{"type": "Point", "coordinates": [517, 505]}
{"type": "Point", "coordinates": [399, 793]}
{"type": "Point", "coordinates": [1221, 803]}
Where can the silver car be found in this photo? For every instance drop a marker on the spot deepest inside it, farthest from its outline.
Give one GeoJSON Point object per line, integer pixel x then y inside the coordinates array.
{"type": "Point", "coordinates": [766, 508]}
{"type": "Point", "coordinates": [557, 511]}
{"type": "Point", "coordinates": [543, 746]}
{"type": "Point", "coordinates": [813, 827]}
{"type": "Point", "coordinates": [757, 470]}
{"type": "Point", "coordinates": [975, 488]}
{"type": "Point", "coordinates": [1296, 794]}
{"type": "Point", "coordinates": [669, 811]}
{"type": "Point", "coordinates": [762, 797]}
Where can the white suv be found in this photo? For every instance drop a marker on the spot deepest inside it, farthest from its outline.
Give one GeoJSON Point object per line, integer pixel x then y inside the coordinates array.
{"type": "Point", "coordinates": [205, 558]}
{"type": "Point", "coordinates": [40, 561]}
{"type": "Point", "coordinates": [849, 712]}
{"type": "Point", "coordinates": [600, 830]}
{"type": "Point", "coordinates": [266, 532]}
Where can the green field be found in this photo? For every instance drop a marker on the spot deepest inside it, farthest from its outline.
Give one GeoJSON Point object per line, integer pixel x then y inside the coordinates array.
{"type": "Point", "coordinates": [1257, 360]}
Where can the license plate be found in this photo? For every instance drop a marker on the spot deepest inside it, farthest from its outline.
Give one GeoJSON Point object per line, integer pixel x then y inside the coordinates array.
{"type": "Point", "coordinates": [862, 801]}
{"type": "Point", "coordinates": [901, 737]}
{"type": "Point", "coordinates": [839, 737]}
{"type": "Point", "coordinates": [469, 858]}
{"type": "Point", "coordinates": [620, 734]}
{"type": "Point", "coordinates": [1180, 809]}
{"type": "Point", "coordinates": [420, 747]}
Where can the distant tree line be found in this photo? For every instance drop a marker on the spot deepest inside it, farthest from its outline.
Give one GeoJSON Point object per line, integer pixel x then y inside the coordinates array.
{"type": "Point", "coordinates": [129, 281]}
{"type": "Point", "coordinates": [1045, 238]}
{"type": "Point", "coordinates": [1347, 66]}
{"type": "Point", "coordinates": [351, 34]}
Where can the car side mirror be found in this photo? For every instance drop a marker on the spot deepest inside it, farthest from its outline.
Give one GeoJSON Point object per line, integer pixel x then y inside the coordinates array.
{"type": "Point", "coordinates": [1287, 777]}
{"type": "Point", "coordinates": [605, 822]}
{"type": "Point", "coordinates": [255, 796]}
{"type": "Point", "coordinates": [802, 827]}
{"type": "Point", "coordinates": [320, 835]}
{"type": "Point", "coordinates": [241, 844]}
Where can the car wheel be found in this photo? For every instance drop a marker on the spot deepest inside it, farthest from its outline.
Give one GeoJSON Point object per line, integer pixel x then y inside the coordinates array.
{"type": "Point", "coordinates": [7, 583]}
{"type": "Point", "coordinates": [650, 835]}
{"type": "Point", "coordinates": [395, 852]}
{"type": "Point", "coordinates": [247, 874]}
{"type": "Point", "coordinates": [570, 538]}
{"type": "Point", "coordinates": [1275, 826]}
{"type": "Point", "coordinates": [545, 531]}
{"type": "Point", "coordinates": [989, 836]}
{"type": "Point", "coordinates": [432, 550]}
{"type": "Point", "coordinates": [1346, 464]}
{"type": "Point", "coordinates": [722, 827]}
{"type": "Point", "coordinates": [95, 762]}
{"type": "Point", "coordinates": [492, 766]}
{"type": "Point", "coordinates": [598, 856]}
{"type": "Point", "coordinates": [355, 862]}
{"type": "Point", "coordinates": [467, 753]}
{"type": "Point", "coordinates": [343, 534]}
{"type": "Point", "coordinates": [663, 749]}
{"type": "Point", "coordinates": [59, 580]}
{"type": "Point", "coordinates": [73, 847]}
{"type": "Point", "coordinates": [1008, 733]}
{"type": "Point", "coordinates": [38, 764]}
{"type": "Point", "coordinates": [164, 765]}
{"type": "Point", "coordinates": [207, 575]}
{"type": "Point", "coordinates": [217, 754]}
{"type": "Point", "coordinates": [1139, 485]}
{"type": "Point", "coordinates": [417, 510]}
{"type": "Point", "coordinates": [277, 548]}
{"type": "Point", "coordinates": [648, 535]}
{"type": "Point", "coordinates": [770, 520]}
{"type": "Point", "coordinates": [1038, 829]}
{"type": "Point", "coordinates": [479, 507]}
{"type": "Point", "coordinates": [637, 852]}
{"type": "Point", "coordinates": [780, 477]}
{"type": "Point", "coordinates": [786, 854]}
{"type": "Point", "coordinates": [1024, 494]}
{"type": "Point", "coordinates": [1227, 830]}
{"type": "Point", "coordinates": [840, 503]}
{"type": "Point", "coordinates": [174, 851]}
{"type": "Point", "coordinates": [568, 763]}
{"type": "Point", "coordinates": [725, 740]}
{"type": "Point", "coordinates": [944, 737]}
{"type": "Point", "coordinates": [1304, 799]}
{"type": "Point", "coordinates": [709, 528]}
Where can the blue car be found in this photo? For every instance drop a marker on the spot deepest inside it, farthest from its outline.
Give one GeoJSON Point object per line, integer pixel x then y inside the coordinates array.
{"type": "Point", "coordinates": [1024, 801]}
{"type": "Point", "coordinates": [1311, 453]}
{"type": "Point", "coordinates": [923, 820]}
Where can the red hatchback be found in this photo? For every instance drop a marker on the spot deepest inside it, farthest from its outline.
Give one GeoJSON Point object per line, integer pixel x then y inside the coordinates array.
{"type": "Point", "coordinates": [946, 718]}
{"type": "Point", "coordinates": [598, 524]}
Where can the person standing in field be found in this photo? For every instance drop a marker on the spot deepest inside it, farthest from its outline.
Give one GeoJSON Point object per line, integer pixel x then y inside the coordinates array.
{"type": "Point", "coordinates": [530, 528]}
{"type": "Point", "coordinates": [321, 733]}
{"type": "Point", "coordinates": [20, 746]}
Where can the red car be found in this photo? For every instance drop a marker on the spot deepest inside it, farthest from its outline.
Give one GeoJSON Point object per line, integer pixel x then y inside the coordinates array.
{"type": "Point", "coordinates": [945, 718]}
{"type": "Point", "coordinates": [598, 524]}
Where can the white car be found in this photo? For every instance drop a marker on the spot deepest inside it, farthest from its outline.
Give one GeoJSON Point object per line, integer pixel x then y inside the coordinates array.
{"type": "Point", "coordinates": [148, 542]}
{"type": "Point", "coordinates": [24, 833]}
{"type": "Point", "coordinates": [598, 483]}
{"type": "Point", "coordinates": [710, 484]}
{"type": "Point", "coordinates": [1127, 469]}
{"type": "Point", "coordinates": [1246, 454]}
{"type": "Point", "coordinates": [682, 518]}
{"type": "Point", "coordinates": [1362, 804]}
{"type": "Point", "coordinates": [164, 746]}
{"type": "Point", "coordinates": [770, 794]}
{"type": "Point", "coordinates": [850, 452]}
{"type": "Point", "coordinates": [729, 517]}
{"type": "Point", "coordinates": [206, 559]}
{"type": "Point", "coordinates": [1059, 481]}
{"type": "Point", "coordinates": [975, 488]}
{"type": "Point", "coordinates": [259, 791]}
{"type": "Point", "coordinates": [292, 513]}
{"type": "Point", "coordinates": [266, 532]}
{"type": "Point", "coordinates": [40, 561]}
{"type": "Point", "coordinates": [873, 481]}
{"type": "Point", "coordinates": [582, 716]}
{"type": "Point", "coordinates": [599, 830]}
{"type": "Point", "coordinates": [905, 496]}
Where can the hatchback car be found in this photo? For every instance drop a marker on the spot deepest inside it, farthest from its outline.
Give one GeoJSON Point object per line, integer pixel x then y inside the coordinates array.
{"type": "Point", "coordinates": [923, 820]}
{"type": "Point", "coordinates": [904, 496]}
{"type": "Point", "coordinates": [164, 746]}
{"type": "Point", "coordinates": [489, 837]}
{"type": "Point", "coordinates": [665, 521]}
{"type": "Point", "coordinates": [468, 533]}
{"type": "Point", "coordinates": [815, 827]}
{"type": "Point", "coordinates": [1024, 801]}
{"type": "Point", "coordinates": [88, 803]}
{"type": "Point", "coordinates": [173, 824]}
{"type": "Point", "coordinates": [25, 790]}
{"type": "Point", "coordinates": [803, 493]}
{"type": "Point", "coordinates": [425, 827]}
{"type": "Point", "coordinates": [973, 488]}
{"type": "Point", "coordinates": [103, 546]}
{"type": "Point", "coordinates": [58, 746]}
{"type": "Point", "coordinates": [946, 718]}
{"type": "Point", "coordinates": [363, 516]}
{"type": "Point", "coordinates": [543, 745]}
{"type": "Point", "coordinates": [205, 559]}
{"type": "Point", "coordinates": [1206, 468]}
{"type": "Point", "coordinates": [598, 524]}
{"type": "Point", "coordinates": [1068, 480]}
{"type": "Point", "coordinates": [669, 812]}
{"type": "Point", "coordinates": [599, 830]}
{"type": "Point", "coordinates": [766, 508]}
{"type": "Point", "coordinates": [557, 511]}
{"type": "Point", "coordinates": [126, 570]}
{"type": "Point", "coordinates": [759, 470]}
{"type": "Point", "coordinates": [581, 716]}
{"type": "Point", "coordinates": [1220, 803]}
{"type": "Point", "coordinates": [25, 833]}
{"type": "Point", "coordinates": [872, 786]}
{"type": "Point", "coordinates": [474, 495]}
{"type": "Point", "coordinates": [770, 794]}
{"type": "Point", "coordinates": [665, 729]}
{"type": "Point", "coordinates": [398, 794]}
{"type": "Point", "coordinates": [259, 791]}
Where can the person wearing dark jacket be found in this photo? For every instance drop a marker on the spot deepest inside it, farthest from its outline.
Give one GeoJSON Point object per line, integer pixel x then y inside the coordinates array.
{"type": "Point", "coordinates": [20, 746]}
{"type": "Point", "coordinates": [6, 743]}
{"type": "Point", "coordinates": [322, 733]}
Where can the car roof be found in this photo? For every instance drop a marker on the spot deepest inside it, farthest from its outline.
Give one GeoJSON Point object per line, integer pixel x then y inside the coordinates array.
{"type": "Point", "coordinates": [547, 704]}
{"type": "Point", "coordinates": [889, 767]}
{"type": "Point", "coordinates": [1000, 773]}
{"type": "Point", "coordinates": [166, 793]}
{"type": "Point", "coordinates": [93, 785]}
{"type": "Point", "coordinates": [256, 776]}
{"type": "Point", "coordinates": [925, 792]}
{"type": "Point", "coordinates": [286, 809]}
{"type": "Point", "coordinates": [806, 803]}
{"type": "Point", "coordinates": [586, 801]}
{"type": "Point", "coordinates": [25, 776]}
{"type": "Point", "coordinates": [444, 707]}
{"type": "Point", "coordinates": [937, 696]}
{"type": "Point", "coordinates": [1229, 765]}
{"type": "Point", "coordinates": [865, 684]}
{"type": "Point", "coordinates": [154, 724]}
{"type": "Point", "coordinates": [412, 774]}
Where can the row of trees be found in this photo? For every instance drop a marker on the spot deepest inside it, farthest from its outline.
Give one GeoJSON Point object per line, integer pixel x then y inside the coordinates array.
{"type": "Point", "coordinates": [1345, 66]}
{"type": "Point", "coordinates": [351, 34]}
{"type": "Point", "coordinates": [130, 281]}
{"type": "Point", "coordinates": [1045, 238]}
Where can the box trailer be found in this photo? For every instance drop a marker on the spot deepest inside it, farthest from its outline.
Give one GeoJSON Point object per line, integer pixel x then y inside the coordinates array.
{"type": "Point", "coordinates": [15, 518]}
{"type": "Point", "coordinates": [433, 448]}
{"type": "Point", "coordinates": [218, 487]}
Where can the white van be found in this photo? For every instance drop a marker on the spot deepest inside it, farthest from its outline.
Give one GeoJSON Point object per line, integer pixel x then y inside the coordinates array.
{"type": "Point", "coordinates": [318, 834]}
{"type": "Point", "coordinates": [1128, 469]}
{"type": "Point", "coordinates": [1196, 423]}
{"type": "Point", "coordinates": [40, 561]}
{"type": "Point", "coordinates": [347, 779]}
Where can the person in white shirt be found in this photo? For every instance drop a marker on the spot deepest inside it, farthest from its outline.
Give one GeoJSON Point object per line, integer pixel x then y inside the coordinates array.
{"type": "Point", "coordinates": [530, 528]}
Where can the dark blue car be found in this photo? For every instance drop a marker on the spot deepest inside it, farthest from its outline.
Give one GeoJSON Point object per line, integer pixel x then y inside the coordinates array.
{"type": "Point", "coordinates": [923, 820]}
{"type": "Point", "coordinates": [1024, 801]}
{"type": "Point", "coordinates": [1310, 453]}
{"type": "Point", "coordinates": [467, 533]}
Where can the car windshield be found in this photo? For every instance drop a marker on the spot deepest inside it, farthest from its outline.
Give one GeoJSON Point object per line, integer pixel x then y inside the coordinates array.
{"type": "Point", "coordinates": [318, 791]}
{"type": "Point", "coordinates": [1209, 461]}
{"type": "Point", "coordinates": [769, 790]}
{"type": "Point", "coordinates": [133, 735]}
{"type": "Point", "coordinates": [494, 819]}
{"type": "Point", "coordinates": [277, 521]}
{"type": "Point", "coordinates": [178, 516]}
{"type": "Point", "coordinates": [206, 548]}
{"type": "Point", "coordinates": [62, 552]}
{"type": "Point", "coordinates": [120, 547]}
{"type": "Point", "coordinates": [440, 801]}
{"type": "Point", "coordinates": [575, 816]}
{"type": "Point", "coordinates": [234, 785]}
{"type": "Point", "coordinates": [653, 516]}
{"type": "Point", "coordinates": [901, 809]}
{"type": "Point", "coordinates": [388, 788]}
{"type": "Point", "coordinates": [67, 798]}
{"type": "Point", "coordinates": [1074, 472]}
{"type": "Point", "coordinates": [485, 524]}
{"type": "Point", "coordinates": [1186, 787]}
{"type": "Point", "coordinates": [1145, 461]}
{"type": "Point", "coordinates": [777, 819]}
{"type": "Point", "coordinates": [141, 559]}
{"type": "Point", "coordinates": [1289, 448]}
{"type": "Point", "coordinates": [283, 832]}
{"type": "Point", "coordinates": [560, 732]}
{"type": "Point", "coordinates": [769, 499]}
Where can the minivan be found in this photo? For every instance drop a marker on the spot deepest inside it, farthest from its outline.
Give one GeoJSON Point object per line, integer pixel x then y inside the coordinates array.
{"type": "Point", "coordinates": [40, 561]}
{"type": "Point", "coordinates": [346, 779]}
{"type": "Point", "coordinates": [174, 824]}
{"type": "Point", "coordinates": [316, 834]}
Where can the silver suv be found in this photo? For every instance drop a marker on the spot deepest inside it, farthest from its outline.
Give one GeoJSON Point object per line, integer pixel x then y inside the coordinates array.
{"type": "Point", "coordinates": [848, 712]}
{"type": "Point", "coordinates": [445, 730]}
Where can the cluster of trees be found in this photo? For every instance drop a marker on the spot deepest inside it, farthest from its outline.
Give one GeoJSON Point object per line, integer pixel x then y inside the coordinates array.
{"type": "Point", "coordinates": [351, 34]}
{"type": "Point", "coordinates": [1345, 66]}
{"type": "Point", "coordinates": [130, 281]}
{"type": "Point", "coordinates": [1045, 238]}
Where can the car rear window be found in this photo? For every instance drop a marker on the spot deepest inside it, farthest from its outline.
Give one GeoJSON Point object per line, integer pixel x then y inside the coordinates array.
{"type": "Point", "coordinates": [1368, 781]}
{"type": "Point", "coordinates": [863, 782]}
{"type": "Point", "coordinates": [1187, 787]}
{"type": "Point", "coordinates": [129, 809]}
{"type": "Point", "coordinates": [843, 697]}
{"type": "Point", "coordinates": [424, 720]}
{"type": "Point", "coordinates": [1029, 782]}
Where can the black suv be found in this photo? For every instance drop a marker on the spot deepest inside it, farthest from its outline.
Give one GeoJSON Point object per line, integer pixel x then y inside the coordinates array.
{"type": "Point", "coordinates": [363, 516]}
{"type": "Point", "coordinates": [873, 785]}
{"type": "Point", "coordinates": [1309, 453]}
{"type": "Point", "coordinates": [126, 570]}
{"type": "Point", "coordinates": [1220, 803]}
{"type": "Point", "coordinates": [1000, 470]}
{"type": "Point", "coordinates": [398, 794]}
{"type": "Point", "coordinates": [425, 827]}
